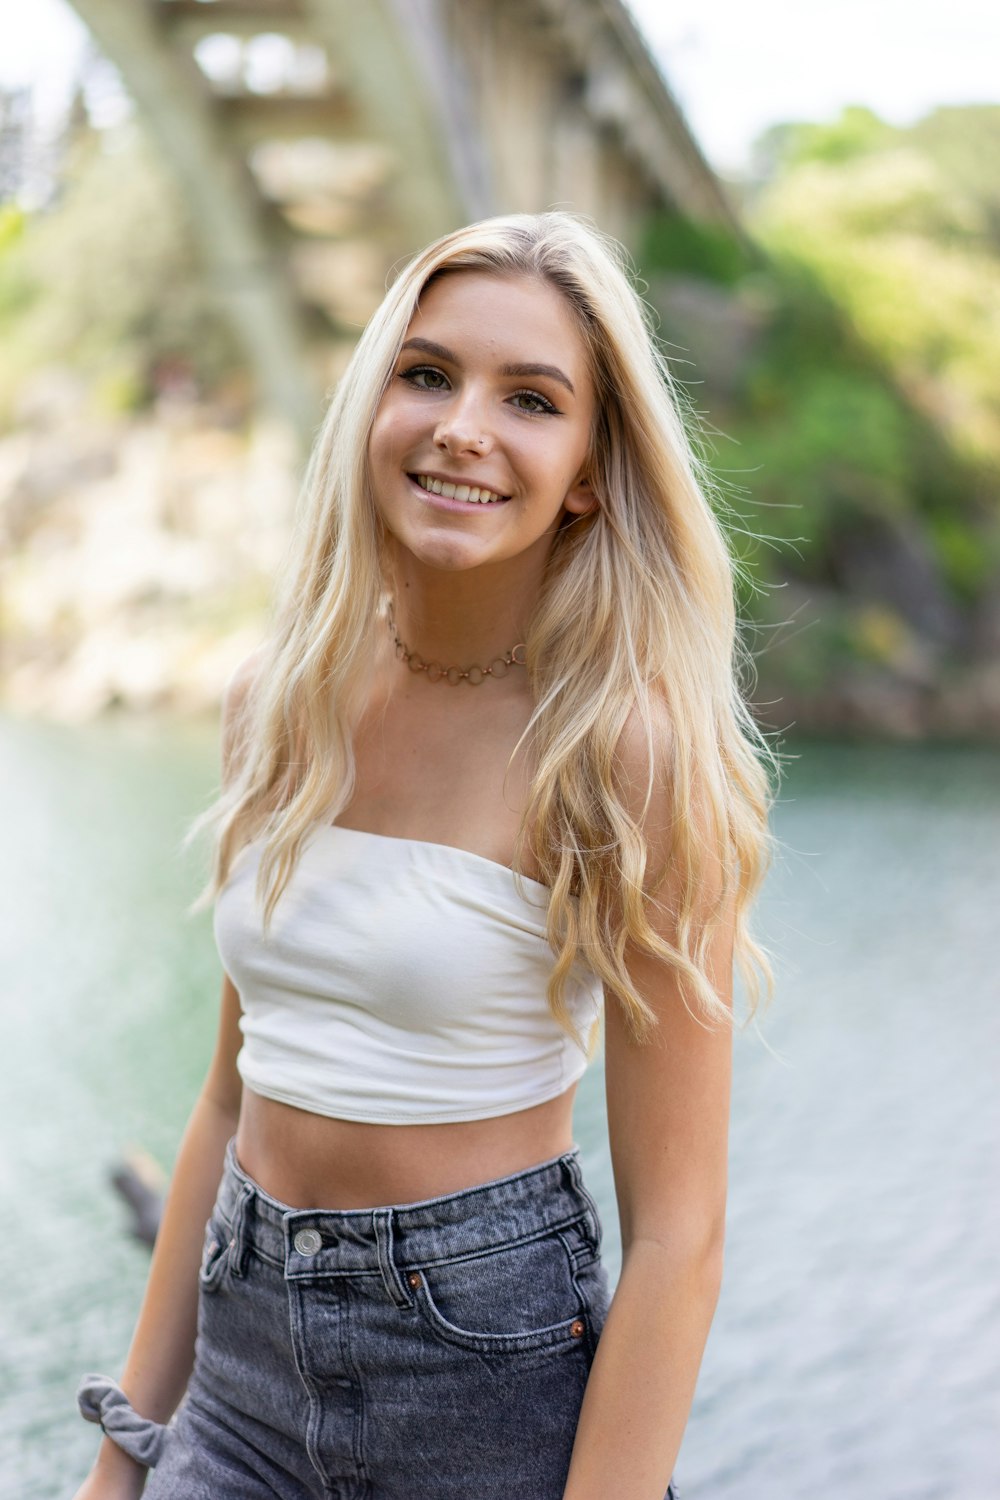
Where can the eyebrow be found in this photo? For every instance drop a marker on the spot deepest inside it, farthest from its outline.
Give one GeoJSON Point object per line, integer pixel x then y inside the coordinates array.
{"type": "Point", "coordinates": [427, 346]}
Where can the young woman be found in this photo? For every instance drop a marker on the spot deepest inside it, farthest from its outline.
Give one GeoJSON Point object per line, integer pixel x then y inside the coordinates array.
{"type": "Point", "coordinates": [489, 777]}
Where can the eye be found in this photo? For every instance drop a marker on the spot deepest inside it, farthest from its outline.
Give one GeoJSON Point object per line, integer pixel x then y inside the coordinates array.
{"type": "Point", "coordinates": [425, 378]}
{"type": "Point", "coordinates": [534, 403]}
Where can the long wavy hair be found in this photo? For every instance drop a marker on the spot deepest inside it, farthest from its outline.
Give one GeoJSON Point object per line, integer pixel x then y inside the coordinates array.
{"type": "Point", "coordinates": [635, 625]}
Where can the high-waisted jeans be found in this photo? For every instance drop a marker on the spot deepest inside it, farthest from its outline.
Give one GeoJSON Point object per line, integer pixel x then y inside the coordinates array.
{"type": "Point", "coordinates": [432, 1351]}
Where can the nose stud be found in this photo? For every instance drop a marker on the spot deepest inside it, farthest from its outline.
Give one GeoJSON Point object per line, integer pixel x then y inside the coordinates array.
{"type": "Point", "coordinates": [444, 442]}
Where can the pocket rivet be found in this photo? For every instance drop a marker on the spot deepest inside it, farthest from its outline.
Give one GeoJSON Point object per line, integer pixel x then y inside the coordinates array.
{"type": "Point", "coordinates": [414, 1278]}
{"type": "Point", "coordinates": [308, 1241]}
{"type": "Point", "coordinates": [576, 1328]}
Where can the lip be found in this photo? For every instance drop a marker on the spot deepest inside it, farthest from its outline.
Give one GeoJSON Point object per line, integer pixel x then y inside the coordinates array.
{"type": "Point", "coordinates": [442, 502]}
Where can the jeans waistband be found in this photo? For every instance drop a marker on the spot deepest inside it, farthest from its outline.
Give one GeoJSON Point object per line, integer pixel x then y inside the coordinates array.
{"type": "Point", "coordinates": [308, 1242]}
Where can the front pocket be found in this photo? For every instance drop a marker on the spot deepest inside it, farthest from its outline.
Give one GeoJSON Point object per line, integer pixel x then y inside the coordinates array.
{"type": "Point", "coordinates": [214, 1255]}
{"type": "Point", "coordinates": [516, 1297]}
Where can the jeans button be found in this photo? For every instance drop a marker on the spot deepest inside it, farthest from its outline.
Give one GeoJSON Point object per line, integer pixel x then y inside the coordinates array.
{"type": "Point", "coordinates": [308, 1241]}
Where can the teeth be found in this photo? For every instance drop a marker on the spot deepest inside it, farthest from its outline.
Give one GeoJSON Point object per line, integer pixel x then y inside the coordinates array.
{"type": "Point", "coordinates": [457, 491]}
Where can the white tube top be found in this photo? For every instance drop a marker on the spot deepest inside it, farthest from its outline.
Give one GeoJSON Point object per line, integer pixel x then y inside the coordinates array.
{"type": "Point", "coordinates": [401, 982]}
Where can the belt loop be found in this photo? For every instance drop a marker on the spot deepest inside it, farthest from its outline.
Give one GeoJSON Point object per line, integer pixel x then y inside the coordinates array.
{"type": "Point", "coordinates": [570, 1167]}
{"type": "Point", "coordinates": [239, 1245]}
{"type": "Point", "coordinates": [382, 1224]}
{"type": "Point", "coordinates": [573, 1178]}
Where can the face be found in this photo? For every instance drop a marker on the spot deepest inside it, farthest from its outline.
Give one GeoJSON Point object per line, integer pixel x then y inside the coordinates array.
{"type": "Point", "coordinates": [491, 396]}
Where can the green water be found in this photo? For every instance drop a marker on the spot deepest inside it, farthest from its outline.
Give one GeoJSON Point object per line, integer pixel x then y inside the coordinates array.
{"type": "Point", "coordinates": [857, 1342]}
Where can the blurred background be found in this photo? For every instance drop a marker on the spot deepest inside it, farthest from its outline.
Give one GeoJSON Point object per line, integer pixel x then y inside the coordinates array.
{"type": "Point", "coordinates": [200, 204]}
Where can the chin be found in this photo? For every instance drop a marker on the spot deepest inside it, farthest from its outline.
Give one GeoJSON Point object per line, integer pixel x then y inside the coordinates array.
{"type": "Point", "coordinates": [447, 554]}
{"type": "Point", "coordinates": [448, 559]}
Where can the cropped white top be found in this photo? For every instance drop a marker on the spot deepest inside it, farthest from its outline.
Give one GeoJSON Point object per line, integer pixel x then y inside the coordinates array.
{"type": "Point", "coordinates": [401, 982]}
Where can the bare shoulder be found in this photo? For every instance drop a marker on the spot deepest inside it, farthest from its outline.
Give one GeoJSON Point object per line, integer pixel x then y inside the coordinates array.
{"type": "Point", "coordinates": [644, 743]}
{"type": "Point", "coordinates": [235, 692]}
{"type": "Point", "coordinates": [642, 774]}
{"type": "Point", "coordinates": [673, 804]}
{"type": "Point", "coordinates": [235, 697]}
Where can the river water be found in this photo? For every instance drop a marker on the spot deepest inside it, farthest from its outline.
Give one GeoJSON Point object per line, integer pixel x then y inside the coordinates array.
{"type": "Point", "coordinates": [856, 1348]}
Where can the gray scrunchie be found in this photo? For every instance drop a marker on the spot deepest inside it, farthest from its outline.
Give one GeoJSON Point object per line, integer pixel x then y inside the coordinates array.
{"type": "Point", "coordinates": [102, 1400]}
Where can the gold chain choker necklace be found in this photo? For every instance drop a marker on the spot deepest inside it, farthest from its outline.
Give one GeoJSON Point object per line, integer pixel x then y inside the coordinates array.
{"type": "Point", "coordinates": [499, 667]}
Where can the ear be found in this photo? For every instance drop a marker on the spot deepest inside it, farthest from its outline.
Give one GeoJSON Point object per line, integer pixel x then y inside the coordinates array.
{"type": "Point", "coordinates": [580, 498]}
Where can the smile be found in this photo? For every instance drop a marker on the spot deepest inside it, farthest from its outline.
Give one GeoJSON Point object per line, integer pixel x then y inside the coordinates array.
{"type": "Point", "coordinates": [470, 493]}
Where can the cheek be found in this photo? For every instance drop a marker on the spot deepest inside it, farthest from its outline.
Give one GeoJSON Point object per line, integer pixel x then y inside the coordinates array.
{"type": "Point", "coordinates": [384, 440]}
{"type": "Point", "coordinates": [393, 434]}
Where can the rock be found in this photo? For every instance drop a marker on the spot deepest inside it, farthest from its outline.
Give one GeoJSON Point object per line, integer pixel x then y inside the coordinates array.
{"type": "Point", "coordinates": [51, 398]}
{"type": "Point", "coordinates": [138, 559]}
{"type": "Point", "coordinates": [890, 561]}
{"type": "Point", "coordinates": [139, 1181]}
{"type": "Point", "coordinates": [984, 633]}
{"type": "Point", "coordinates": [968, 707]}
{"type": "Point", "coordinates": [711, 332]}
{"type": "Point", "coordinates": [879, 702]}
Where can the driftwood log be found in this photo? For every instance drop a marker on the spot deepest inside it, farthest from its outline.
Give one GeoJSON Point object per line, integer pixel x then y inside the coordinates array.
{"type": "Point", "coordinates": [142, 1184]}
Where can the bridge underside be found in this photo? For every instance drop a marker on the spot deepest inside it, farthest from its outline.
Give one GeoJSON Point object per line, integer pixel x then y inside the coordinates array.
{"type": "Point", "coordinates": [317, 142]}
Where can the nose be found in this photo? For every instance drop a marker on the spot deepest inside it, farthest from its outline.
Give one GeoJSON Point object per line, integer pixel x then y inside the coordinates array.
{"type": "Point", "coordinates": [462, 427]}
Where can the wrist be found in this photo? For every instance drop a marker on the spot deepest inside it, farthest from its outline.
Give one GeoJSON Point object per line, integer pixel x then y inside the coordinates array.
{"type": "Point", "coordinates": [113, 1462]}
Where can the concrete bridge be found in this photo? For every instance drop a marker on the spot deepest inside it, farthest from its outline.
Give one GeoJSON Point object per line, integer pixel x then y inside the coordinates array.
{"type": "Point", "coordinates": [318, 141]}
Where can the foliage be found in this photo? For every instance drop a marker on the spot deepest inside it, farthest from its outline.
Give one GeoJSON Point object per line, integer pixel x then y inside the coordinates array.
{"type": "Point", "coordinates": [857, 132]}
{"type": "Point", "coordinates": [17, 287]}
{"type": "Point", "coordinates": [871, 396]}
{"type": "Point", "coordinates": [907, 249]}
{"type": "Point", "coordinates": [962, 143]}
{"type": "Point", "coordinates": [106, 279]}
{"type": "Point", "coordinates": [674, 243]}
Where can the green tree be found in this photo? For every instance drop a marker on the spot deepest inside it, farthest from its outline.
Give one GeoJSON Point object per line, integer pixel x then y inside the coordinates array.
{"type": "Point", "coordinates": [106, 279]}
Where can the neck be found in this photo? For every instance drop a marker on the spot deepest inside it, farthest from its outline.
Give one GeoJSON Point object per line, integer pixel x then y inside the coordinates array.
{"type": "Point", "coordinates": [460, 619]}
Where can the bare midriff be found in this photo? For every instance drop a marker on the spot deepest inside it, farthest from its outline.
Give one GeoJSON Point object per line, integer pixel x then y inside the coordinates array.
{"type": "Point", "coordinates": [309, 1160]}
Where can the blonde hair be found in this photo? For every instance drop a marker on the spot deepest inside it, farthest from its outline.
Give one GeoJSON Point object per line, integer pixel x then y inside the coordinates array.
{"type": "Point", "coordinates": [635, 626]}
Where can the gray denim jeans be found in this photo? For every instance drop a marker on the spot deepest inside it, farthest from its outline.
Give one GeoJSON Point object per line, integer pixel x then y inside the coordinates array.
{"type": "Point", "coordinates": [431, 1351]}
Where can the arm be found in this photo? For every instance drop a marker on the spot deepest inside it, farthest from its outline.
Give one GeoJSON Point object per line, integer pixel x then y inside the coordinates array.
{"type": "Point", "coordinates": [668, 1113]}
{"type": "Point", "coordinates": [161, 1354]}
